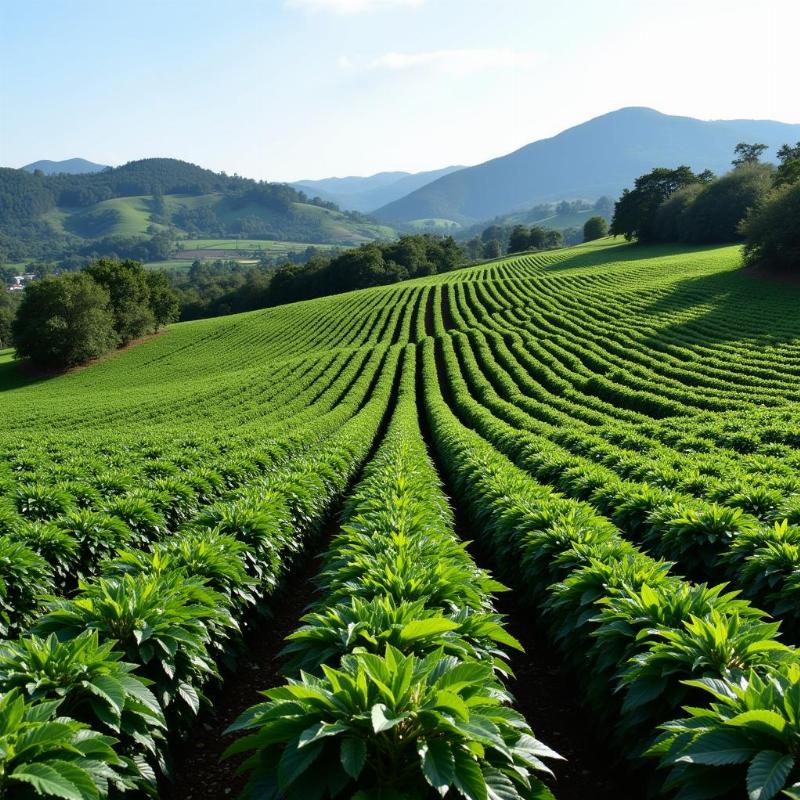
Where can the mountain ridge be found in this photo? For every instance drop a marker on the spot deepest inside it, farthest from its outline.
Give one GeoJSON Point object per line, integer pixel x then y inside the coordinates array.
{"type": "Point", "coordinates": [598, 157]}
{"type": "Point", "coordinates": [68, 166]}
{"type": "Point", "coordinates": [366, 193]}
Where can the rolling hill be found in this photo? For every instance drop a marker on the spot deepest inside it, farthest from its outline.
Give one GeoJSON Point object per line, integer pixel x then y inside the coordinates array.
{"type": "Point", "coordinates": [614, 426]}
{"type": "Point", "coordinates": [366, 194]}
{"type": "Point", "coordinates": [44, 215]}
{"type": "Point", "coordinates": [598, 157]}
{"type": "Point", "coordinates": [70, 166]}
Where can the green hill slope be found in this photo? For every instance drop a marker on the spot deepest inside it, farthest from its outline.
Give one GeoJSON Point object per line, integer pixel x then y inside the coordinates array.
{"type": "Point", "coordinates": [615, 425]}
{"type": "Point", "coordinates": [48, 215]}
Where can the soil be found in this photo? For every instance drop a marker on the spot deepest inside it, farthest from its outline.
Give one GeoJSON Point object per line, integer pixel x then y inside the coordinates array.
{"type": "Point", "coordinates": [548, 696]}
{"type": "Point", "coordinates": [199, 772]}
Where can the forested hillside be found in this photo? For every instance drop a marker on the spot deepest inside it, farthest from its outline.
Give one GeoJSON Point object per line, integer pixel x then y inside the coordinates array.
{"type": "Point", "coordinates": [614, 426]}
{"type": "Point", "coordinates": [153, 201]}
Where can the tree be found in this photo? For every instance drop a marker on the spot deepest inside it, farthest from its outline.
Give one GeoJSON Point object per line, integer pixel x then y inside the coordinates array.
{"type": "Point", "coordinates": [64, 321]}
{"type": "Point", "coordinates": [748, 153]}
{"type": "Point", "coordinates": [604, 206]}
{"type": "Point", "coordinates": [594, 228]}
{"type": "Point", "coordinates": [771, 230]}
{"type": "Point", "coordinates": [635, 212]}
{"type": "Point", "coordinates": [474, 249]}
{"type": "Point", "coordinates": [493, 232]}
{"type": "Point", "coordinates": [163, 299]}
{"type": "Point", "coordinates": [553, 239]}
{"type": "Point", "coordinates": [8, 309]}
{"type": "Point", "coordinates": [670, 220]}
{"type": "Point", "coordinates": [717, 211]}
{"type": "Point", "coordinates": [128, 287]}
{"type": "Point", "coordinates": [537, 238]}
{"type": "Point", "coordinates": [492, 249]}
{"type": "Point", "coordinates": [519, 240]}
{"type": "Point", "coordinates": [789, 167]}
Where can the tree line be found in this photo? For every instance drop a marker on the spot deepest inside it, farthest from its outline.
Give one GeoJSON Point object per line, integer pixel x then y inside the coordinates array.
{"type": "Point", "coordinates": [756, 203]}
{"type": "Point", "coordinates": [69, 319]}
{"type": "Point", "coordinates": [209, 290]}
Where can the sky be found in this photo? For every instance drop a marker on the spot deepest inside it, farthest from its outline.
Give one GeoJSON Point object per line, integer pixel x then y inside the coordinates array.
{"type": "Point", "coordinates": [289, 89]}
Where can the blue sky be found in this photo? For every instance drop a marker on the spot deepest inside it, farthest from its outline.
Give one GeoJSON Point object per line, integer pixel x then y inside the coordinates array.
{"type": "Point", "coordinates": [289, 89]}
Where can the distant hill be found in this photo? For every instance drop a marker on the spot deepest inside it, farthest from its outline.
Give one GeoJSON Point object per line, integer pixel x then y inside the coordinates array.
{"type": "Point", "coordinates": [70, 166]}
{"type": "Point", "coordinates": [366, 194]}
{"type": "Point", "coordinates": [599, 157]}
{"type": "Point", "coordinates": [46, 216]}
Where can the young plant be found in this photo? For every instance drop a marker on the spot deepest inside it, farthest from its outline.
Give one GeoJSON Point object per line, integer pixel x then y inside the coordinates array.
{"type": "Point", "coordinates": [391, 726]}
{"type": "Point", "coordinates": [43, 755]}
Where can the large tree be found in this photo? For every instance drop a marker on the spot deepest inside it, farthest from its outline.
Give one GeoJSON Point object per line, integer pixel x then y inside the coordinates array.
{"type": "Point", "coordinates": [8, 308]}
{"type": "Point", "coordinates": [594, 228]}
{"type": "Point", "coordinates": [789, 167]}
{"type": "Point", "coordinates": [64, 321]}
{"type": "Point", "coordinates": [519, 240]}
{"type": "Point", "coordinates": [127, 284]}
{"type": "Point", "coordinates": [717, 211]}
{"type": "Point", "coordinates": [748, 153]}
{"type": "Point", "coordinates": [772, 231]}
{"type": "Point", "coordinates": [163, 299]}
{"type": "Point", "coordinates": [635, 212]}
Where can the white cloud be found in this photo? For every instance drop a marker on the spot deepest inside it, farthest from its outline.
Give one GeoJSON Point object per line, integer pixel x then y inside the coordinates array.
{"type": "Point", "coordinates": [451, 62]}
{"type": "Point", "coordinates": [351, 6]}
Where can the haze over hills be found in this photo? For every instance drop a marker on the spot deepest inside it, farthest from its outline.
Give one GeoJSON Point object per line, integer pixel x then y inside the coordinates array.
{"type": "Point", "coordinates": [599, 157]}
{"type": "Point", "coordinates": [365, 194]}
{"type": "Point", "coordinates": [70, 166]}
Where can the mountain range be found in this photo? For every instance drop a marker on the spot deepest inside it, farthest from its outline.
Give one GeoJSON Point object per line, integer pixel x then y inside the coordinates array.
{"type": "Point", "coordinates": [599, 157]}
{"type": "Point", "coordinates": [365, 194]}
{"type": "Point", "coordinates": [70, 166]}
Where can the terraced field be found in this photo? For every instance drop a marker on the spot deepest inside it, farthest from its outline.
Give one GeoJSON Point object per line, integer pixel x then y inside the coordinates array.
{"type": "Point", "coordinates": [614, 430]}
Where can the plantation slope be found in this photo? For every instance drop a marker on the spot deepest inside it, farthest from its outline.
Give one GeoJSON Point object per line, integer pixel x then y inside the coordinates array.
{"type": "Point", "coordinates": [616, 426]}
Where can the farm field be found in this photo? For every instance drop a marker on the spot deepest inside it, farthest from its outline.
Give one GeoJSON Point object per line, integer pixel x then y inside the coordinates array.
{"type": "Point", "coordinates": [245, 251]}
{"type": "Point", "coordinates": [608, 431]}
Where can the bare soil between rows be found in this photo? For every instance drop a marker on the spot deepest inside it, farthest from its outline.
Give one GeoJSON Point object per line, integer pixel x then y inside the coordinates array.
{"type": "Point", "coordinates": [200, 771]}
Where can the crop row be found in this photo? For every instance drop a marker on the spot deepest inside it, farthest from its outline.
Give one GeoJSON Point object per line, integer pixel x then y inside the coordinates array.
{"type": "Point", "coordinates": [706, 540]}
{"type": "Point", "coordinates": [400, 687]}
{"type": "Point", "coordinates": [138, 643]}
{"type": "Point", "coordinates": [645, 642]}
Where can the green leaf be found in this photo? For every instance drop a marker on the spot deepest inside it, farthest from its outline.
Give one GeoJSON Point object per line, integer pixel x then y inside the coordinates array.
{"type": "Point", "coordinates": [468, 778]}
{"type": "Point", "coordinates": [423, 628]}
{"type": "Point", "coordinates": [438, 764]}
{"type": "Point", "coordinates": [49, 781]}
{"type": "Point", "coordinates": [499, 786]}
{"type": "Point", "coordinates": [383, 719]}
{"type": "Point", "coordinates": [760, 719]}
{"type": "Point", "coordinates": [320, 730]}
{"type": "Point", "coordinates": [717, 748]}
{"type": "Point", "coordinates": [767, 774]}
{"type": "Point", "coordinates": [111, 690]}
{"type": "Point", "coordinates": [353, 755]}
{"type": "Point", "coordinates": [190, 696]}
{"type": "Point", "coordinates": [295, 760]}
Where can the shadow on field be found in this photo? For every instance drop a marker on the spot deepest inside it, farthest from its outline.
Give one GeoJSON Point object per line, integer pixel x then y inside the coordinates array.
{"type": "Point", "coordinates": [728, 306]}
{"type": "Point", "coordinates": [622, 252]}
{"type": "Point", "coordinates": [16, 374]}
